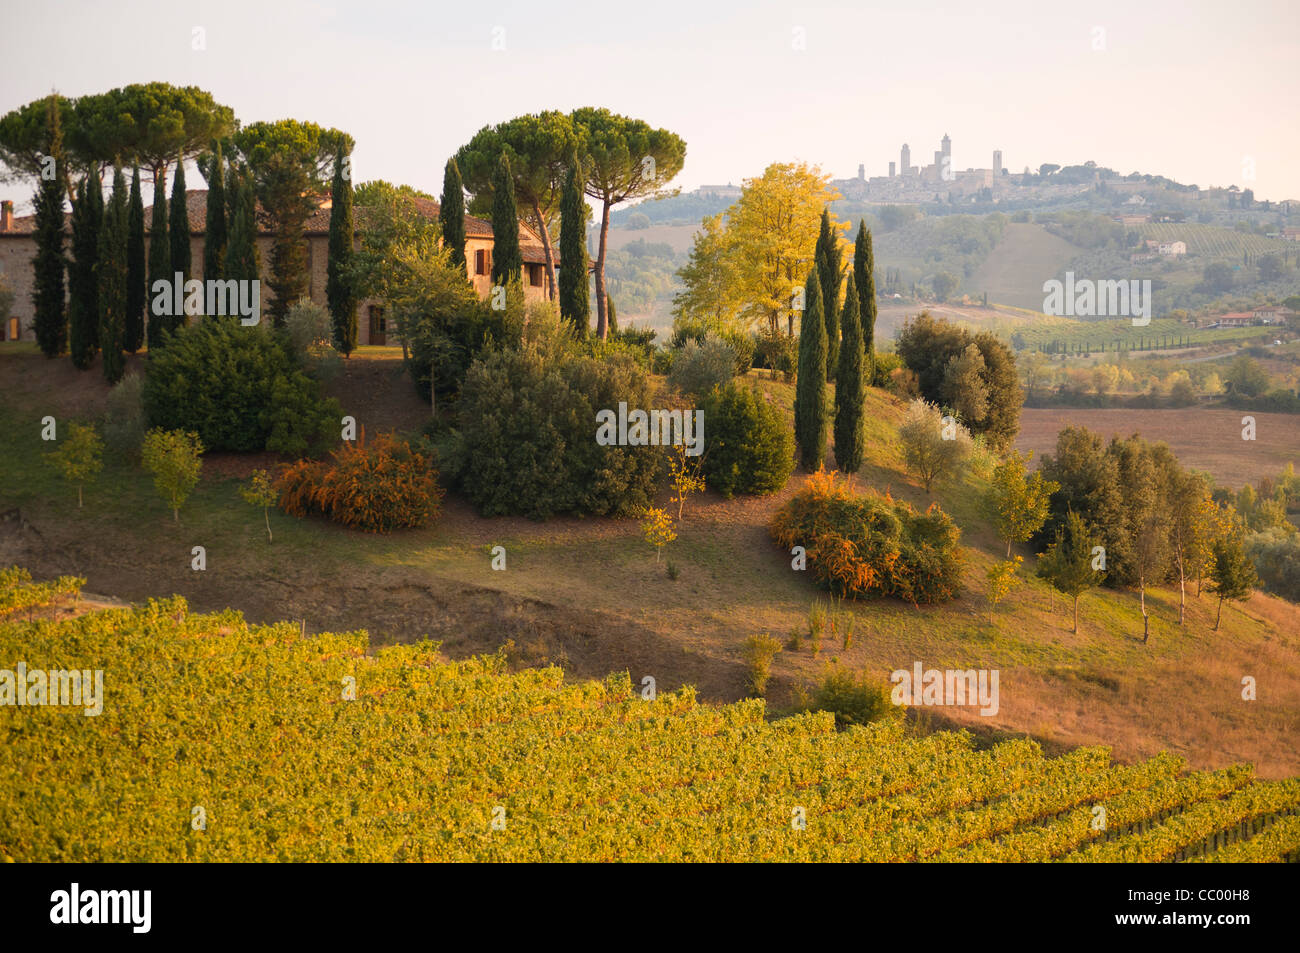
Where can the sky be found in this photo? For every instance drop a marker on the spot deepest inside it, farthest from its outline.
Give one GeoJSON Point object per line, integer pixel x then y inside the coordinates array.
{"type": "Point", "coordinates": [1201, 92]}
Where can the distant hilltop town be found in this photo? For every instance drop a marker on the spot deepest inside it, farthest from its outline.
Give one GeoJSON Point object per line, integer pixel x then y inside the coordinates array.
{"type": "Point", "coordinates": [1131, 200]}
{"type": "Point", "coordinates": [938, 181]}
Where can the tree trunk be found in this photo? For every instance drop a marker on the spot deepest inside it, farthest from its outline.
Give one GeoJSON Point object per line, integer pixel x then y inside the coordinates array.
{"type": "Point", "coordinates": [78, 497]}
{"type": "Point", "coordinates": [1218, 614]}
{"type": "Point", "coordinates": [602, 316]}
{"type": "Point", "coordinates": [1008, 548]}
{"type": "Point", "coordinates": [267, 516]}
{"type": "Point", "coordinates": [176, 513]}
{"type": "Point", "coordinates": [1146, 627]}
{"type": "Point", "coordinates": [1182, 589]}
{"type": "Point", "coordinates": [1076, 613]}
{"type": "Point", "coordinates": [545, 234]}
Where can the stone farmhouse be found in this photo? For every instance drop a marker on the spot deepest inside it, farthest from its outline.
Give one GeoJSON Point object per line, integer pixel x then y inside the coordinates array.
{"type": "Point", "coordinates": [18, 248]}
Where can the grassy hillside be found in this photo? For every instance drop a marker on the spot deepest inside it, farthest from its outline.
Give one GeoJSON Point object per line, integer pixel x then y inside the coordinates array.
{"type": "Point", "coordinates": [679, 237]}
{"type": "Point", "coordinates": [220, 741]}
{"type": "Point", "coordinates": [587, 594]}
{"type": "Point", "coordinates": [1015, 270]}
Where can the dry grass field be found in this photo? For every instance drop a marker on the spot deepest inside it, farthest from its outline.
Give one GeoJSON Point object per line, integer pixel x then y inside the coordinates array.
{"type": "Point", "coordinates": [1207, 439]}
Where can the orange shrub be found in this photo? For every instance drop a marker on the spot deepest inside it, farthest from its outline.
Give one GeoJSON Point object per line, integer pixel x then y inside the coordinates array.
{"type": "Point", "coordinates": [379, 488]}
{"type": "Point", "coordinates": [297, 484]}
{"type": "Point", "coordinates": [870, 545]}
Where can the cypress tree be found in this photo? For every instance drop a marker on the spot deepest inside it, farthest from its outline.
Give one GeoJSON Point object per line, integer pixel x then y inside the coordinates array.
{"type": "Point", "coordinates": [850, 387]}
{"type": "Point", "coordinates": [83, 304]}
{"type": "Point", "coordinates": [111, 271]}
{"type": "Point", "coordinates": [242, 260]}
{"type": "Point", "coordinates": [451, 213]}
{"type": "Point", "coordinates": [51, 316]}
{"type": "Point", "coordinates": [178, 230]}
{"type": "Point", "coordinates": [864, 272]}
{"type": "Point", "coordinates": [338, 282]}
{"type": "Point", "coordinates": [160, 262]}
{"type": "Point", "coordinates": [230, 184]}
{"type": "Point", "coordinates": [810, 388]}
{"type": "Point", "coordinates": [215, 230]}
{"type": "Point", "coordinates": [507, 260]}
{"type": "Point", "coordinates": [136, 286]}
{"type": "Point", "coordinates": [830, 263]}
{"type": "Point", "coordinates": [575, 304]}
{"type": "Point", "coordinates": [611, 317]}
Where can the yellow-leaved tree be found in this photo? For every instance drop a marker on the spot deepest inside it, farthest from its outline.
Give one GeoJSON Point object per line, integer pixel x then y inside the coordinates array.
{"type": "Point", "coordinates": [174, 459]}
{"type": "Point", "coordinates": [80, 457]}
{"type": "Point", "coordinates": [748, 268]}
{"type": "Point", "coordinates": [657, 527]}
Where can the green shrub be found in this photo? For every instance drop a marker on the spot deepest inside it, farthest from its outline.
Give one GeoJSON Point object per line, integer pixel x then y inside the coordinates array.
{"type": "Point", "coordinates": [886, 363]}
{"type": "Point", "coordinates": [124, 424]}
{"type": "Point", "coordinates": [239, 389]}
{"type": "Point", "coordinates": [742, 345]}
{"type": "Point", "coordinates": [853, 699]}
{"type": "Point", "coordinates": [749, 445]}
{"type": "Point", "coordinates": [448, 327]}
{"type": "Point", "coordinates": [528, 434]}
{"type": "Point", "coordinates": [310, 333]}
{"type": "Point", "coordinates": [688, 329]}
{"type": "Point", "coordinates": [641, 341]}
{"type": "Point", "coordinates": [692, 329]}
{"type": "Point", "coordinates": [982, 383]}
{"type": "Point", "coordinates": [699, 368]}
{"type": "Point", "coordinates": [1276, 556]}
{"type": "Point", "coordinates": [871, 545]}
{"type": "Point", "coordinates": [618, 344]}
{"type": "Point", "coordinates": [308, 329]}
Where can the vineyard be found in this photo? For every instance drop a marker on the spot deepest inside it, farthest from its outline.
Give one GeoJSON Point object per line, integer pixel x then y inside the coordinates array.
{"type": "Point", "coordinates": [1054, 335]}
{"type": "Point", "coordinates": [1215, 241]}
{"type": "Point", "coordinates": [18, 592]}
{"type": "Point", "coordinates": [221, 740]}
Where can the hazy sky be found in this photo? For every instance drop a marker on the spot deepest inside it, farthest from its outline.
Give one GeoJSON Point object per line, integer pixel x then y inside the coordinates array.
{"type": "Point", "coordinates": [1198, 90]}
